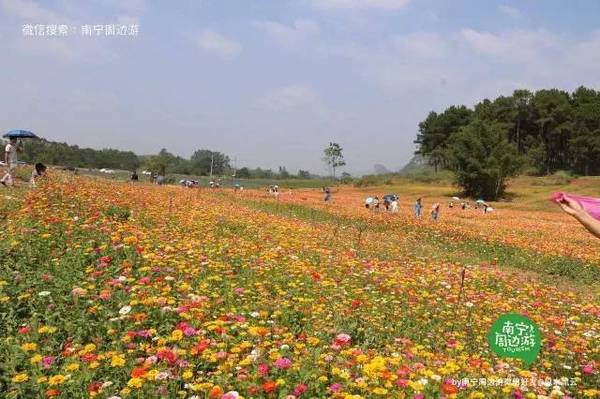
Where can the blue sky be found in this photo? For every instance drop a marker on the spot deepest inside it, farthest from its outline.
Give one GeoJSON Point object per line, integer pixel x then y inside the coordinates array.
{"type": "Point", "coordinates": [271, 82]}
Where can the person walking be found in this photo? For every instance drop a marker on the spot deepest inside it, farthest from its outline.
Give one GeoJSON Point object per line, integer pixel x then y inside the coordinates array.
{"type": "Point", "coordinates": [435, 211]}
{"type": "Point", "coordinates": [327, 192]}
{"type": "Point", "coordinates": [418, 207]}
{"type": "Point", "coordinates": [10, 158]}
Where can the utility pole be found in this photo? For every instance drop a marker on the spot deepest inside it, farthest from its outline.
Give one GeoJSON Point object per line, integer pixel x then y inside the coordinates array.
{"type": "Point", "coordinates": [212, 161]}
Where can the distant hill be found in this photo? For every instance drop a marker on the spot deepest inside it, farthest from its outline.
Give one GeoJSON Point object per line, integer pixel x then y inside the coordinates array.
{"type": "Point", "coordinates": [379, 169]}
{"type": "Point", "coordinates": [416, 164]}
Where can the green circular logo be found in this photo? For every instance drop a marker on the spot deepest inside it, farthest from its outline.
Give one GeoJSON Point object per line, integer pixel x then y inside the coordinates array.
{"type": "Point", "coordinates": [514, 335]}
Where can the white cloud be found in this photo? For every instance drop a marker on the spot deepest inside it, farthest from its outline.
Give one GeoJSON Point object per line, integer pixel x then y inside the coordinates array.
{"type": "Point", "coordinates": [129, 5]}
{"type": "Point", "coordinates": [360, 4]}
{"type": "Point", "coordinates": [289, 97]}
{"type": "Point", "coordinates": [128, 20]}
{"type": "Point", "coordinates": [214, 42]}
{"type": "Point", "coordinates": [31, 11]}
{"type": "Point", "coordinates": [586, 54]}
{"type": "Point", "coordinates": [512, 12]}
{"type": "Point", "coordinates": [289, 36]}
{"type": "Point", "coordinates": [514, 45]}
{"type": "Point", "coordinates": [422, 44]}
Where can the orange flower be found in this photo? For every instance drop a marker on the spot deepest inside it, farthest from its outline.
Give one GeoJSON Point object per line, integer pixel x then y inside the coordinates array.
{"type": "Point", "coordinates": [138, 372]}
{"type": "Point", "coordinates": [52, 392]}
{"type": "Point", "coordinates": [215, 392]}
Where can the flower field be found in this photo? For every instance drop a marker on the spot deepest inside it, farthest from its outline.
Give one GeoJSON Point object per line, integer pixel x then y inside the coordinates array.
{"type": "Point", "coordinates": [116, 290]}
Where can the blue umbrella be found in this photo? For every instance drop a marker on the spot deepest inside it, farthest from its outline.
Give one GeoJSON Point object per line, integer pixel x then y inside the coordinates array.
{"type": "Point", "coordinates": [20, 134]}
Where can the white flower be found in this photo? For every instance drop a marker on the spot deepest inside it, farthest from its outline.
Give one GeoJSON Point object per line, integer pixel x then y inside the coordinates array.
{"type": "Point", "coordinates": [469, 304]}
{"type": "Point", "coordinates": [162, 376]}
{"type": "Point", "coordinates": [122, 278]}
{"type": "Point", "coordinates": [107, 384]}
{"type": "Point", "coordinates": [125, 309]}
{"type": "Point", "coordinates": [44, 293]}
{"type": "Point", "coordinates": [254, 314]}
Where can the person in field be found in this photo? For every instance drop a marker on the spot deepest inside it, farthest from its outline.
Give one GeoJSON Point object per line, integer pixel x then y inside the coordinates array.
{"type": "Point", "coordinates": [134, 176]}
{"type": "Point", "coordinates": [574, 208]}
{"type": "Point", "coordinates": [435, 211]}
{"type": "Point", "coordinates": [418, 207]}
{"type": "Point", "coordinates": [375, 204]}
{"type": "Point", "coordinates": [10, 158]}
{"type": "Point", "coordinates": [394, 206]}
{"type": "Point", "coordinates": [327, 192]}
{"type": "Point", "coordinates": [39, 171]}
{"type": "Point", "coordinates": [369, 202]}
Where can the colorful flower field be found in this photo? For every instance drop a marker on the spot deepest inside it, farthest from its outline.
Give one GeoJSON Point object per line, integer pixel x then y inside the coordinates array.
{"type": "Point", "coordinates": [118, 290]}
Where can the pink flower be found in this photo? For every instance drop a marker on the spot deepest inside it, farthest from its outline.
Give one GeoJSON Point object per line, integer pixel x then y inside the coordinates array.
{"type": "Point", "coordinates": [283, 363]}
{"type": "Point", "coordinates": [47, 361]}
{"type": "Point", "coordinates": [263, 369]}
{"type": "Point", "coordinates": [231, 395]}
{"type": "Point", "coordinates": [189, 331]}
{"type": "Point", "coordinates": [300, 389]}
{"type": "Point", "coordinates": [335, 387]}
{"type": "Point", "coordinates": [342, 339]}
{"type": "Point", "coordinates": [77, 291]}
{"type": "Point", "coordinates": [588, 368]}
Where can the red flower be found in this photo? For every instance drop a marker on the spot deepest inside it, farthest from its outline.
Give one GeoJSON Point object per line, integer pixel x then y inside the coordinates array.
{"type": "Point", "coordinates": [94, 387]}
{"type": "Point", "coordinates": [269, 386]}
{"type": "Point", "coordinates": [167, 355]}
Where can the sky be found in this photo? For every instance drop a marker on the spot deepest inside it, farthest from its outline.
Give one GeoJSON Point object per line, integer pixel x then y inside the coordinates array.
{"type": "Point", "coordinates": [272, 82]}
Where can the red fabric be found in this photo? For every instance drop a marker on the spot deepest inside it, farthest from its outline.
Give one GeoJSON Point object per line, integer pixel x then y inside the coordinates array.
{"type": "Point", "coordinates": [590, 204]}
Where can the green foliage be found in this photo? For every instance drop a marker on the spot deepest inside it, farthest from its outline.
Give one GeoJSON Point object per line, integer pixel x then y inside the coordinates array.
{"type": "Point", "coordinates": [333, 157]}
{"type": "Point", "coordinates": [53, 153]}
{"type": "Point", "coordinates": [553, 129]}
{"type": "Point", "coordinates": [558, 178]}
{"type": "Point", "coordinates": [117, 212]}
{"type": "Point", "coordinates": [482, 159]}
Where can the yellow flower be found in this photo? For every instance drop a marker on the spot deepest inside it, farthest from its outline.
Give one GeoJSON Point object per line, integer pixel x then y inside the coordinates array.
{"type": "Point", "coordinates": [135, 382]}
{"type": "Point", "coordinates": [176, 335]}
{"type": "Point", "coordinates": [35, 359]}
{"type": "Point", "coordinates": [22, 377]}
{"type": "Point", "coordinates": [187, 375]}
{"type": "Point", "coordinates": [46, 330]}
{"type": "Point", "coordinates": [380, 391]}
{"type": "Point", "coordinates": [89, 348]}
{"type": "Point", "coordinates": [477, 395]}
{"type": "Point", "coordinates": [72, 367]}
{"type": "Point", "coordinates": [56, 379]}
{"type": "Point", "coordinates": [117, 361]}
{"type": "Point", "coordinates": [31, 346]}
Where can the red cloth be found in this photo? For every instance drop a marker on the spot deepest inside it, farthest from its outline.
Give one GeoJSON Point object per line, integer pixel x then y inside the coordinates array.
{"type": "Point", "coordinates": [590, 204]}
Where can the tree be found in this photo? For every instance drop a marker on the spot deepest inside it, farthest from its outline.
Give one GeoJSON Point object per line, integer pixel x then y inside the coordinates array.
{"type": "Point", "coordinates": [482, 158]}
{"type": "Point", "coordinates": [205, 161]}
{"type": "Point", "coordinates": [303, 174]}
{"type": "Point", "coordinates": [161, 162]}
{"type": "Point", "coordinates": [436, 130]}
{"type": "Point", "coordinates": [243, 173]}
{"type": "Point", "coordinates": [283, 173]}
{"type": "Point", "coordinates": [334, 157]}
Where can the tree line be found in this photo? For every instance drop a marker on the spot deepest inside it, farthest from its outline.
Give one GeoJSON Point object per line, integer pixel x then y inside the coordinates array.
{"type": "Point", "coordinates": [538, 132]}
{"type": "Point", "coordinates": [202, 162]}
